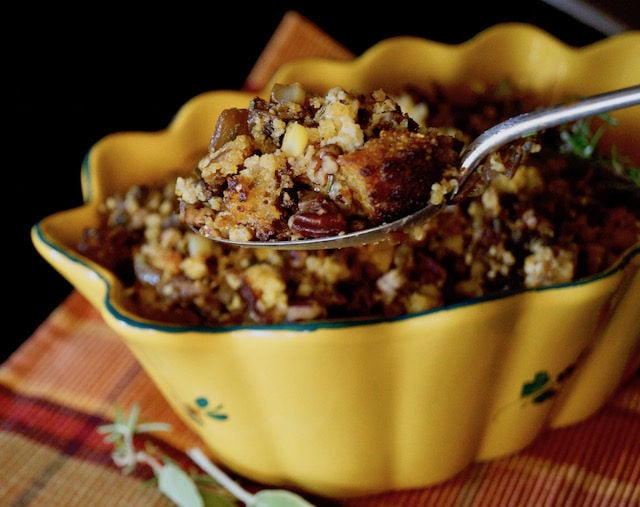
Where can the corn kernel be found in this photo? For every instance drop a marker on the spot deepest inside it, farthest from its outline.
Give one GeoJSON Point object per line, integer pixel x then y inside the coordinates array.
{"type": "Point", "coordinates": [295, 140]}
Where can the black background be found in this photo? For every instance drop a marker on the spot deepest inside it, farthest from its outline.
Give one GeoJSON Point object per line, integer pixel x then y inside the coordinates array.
{"type": "Point", "coordinates": [75, 76]}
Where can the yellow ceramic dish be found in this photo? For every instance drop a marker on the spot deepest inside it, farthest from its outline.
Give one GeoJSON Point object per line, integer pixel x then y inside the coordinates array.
{"type": "Point", "coordinates": [348, 408]}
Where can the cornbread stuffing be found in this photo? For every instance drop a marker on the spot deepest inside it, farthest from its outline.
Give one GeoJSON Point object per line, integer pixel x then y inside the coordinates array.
{"type": "Point", "coordinates": [548, 218]}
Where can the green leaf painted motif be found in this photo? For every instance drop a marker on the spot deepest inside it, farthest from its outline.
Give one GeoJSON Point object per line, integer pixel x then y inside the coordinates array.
{"type": "Point", "coordinates": [202, 408]}
{"type": "Point", "coordinates": [539, 381]}
{"type": "Point", "coordinates": [540, 389]}
{"type": "Point", "coordinates": [544, 395]}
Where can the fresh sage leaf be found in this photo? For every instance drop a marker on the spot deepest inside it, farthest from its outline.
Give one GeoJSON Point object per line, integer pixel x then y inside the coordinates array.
{"type": "Point", "coordinates": [278, 498]}
{"type": "Point", "coordinates": [178, 486]}
{"type": "Point", "coordinates": [215, 499]}
{"type": "Point", "coordinates": [216, 489]}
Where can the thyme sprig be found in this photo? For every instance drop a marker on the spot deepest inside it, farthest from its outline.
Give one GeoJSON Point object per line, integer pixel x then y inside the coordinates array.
{"type": "Point", "coordinates": [581, 139]}
{"type": "Point", "coordinates": [186, 489]}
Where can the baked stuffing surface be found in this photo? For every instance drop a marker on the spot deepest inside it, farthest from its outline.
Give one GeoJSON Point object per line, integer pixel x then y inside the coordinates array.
{"type": "Point", "coordinates": [543, 217]}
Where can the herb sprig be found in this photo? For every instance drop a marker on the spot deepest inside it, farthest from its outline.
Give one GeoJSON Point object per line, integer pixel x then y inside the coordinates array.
{"type": "Point", "coordinates": [186, 489]}
{"type": "Point", "coordinates": [581, 139]}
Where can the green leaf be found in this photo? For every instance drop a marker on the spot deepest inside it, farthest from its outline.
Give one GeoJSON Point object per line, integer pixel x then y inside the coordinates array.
{"type": "Point", "coordinates": [544, 396]}
{"type": "Point", "coordinates": [215, 499]}
{"type": "Point", "coordinates": [132, 420]}
{"type": "Point", "coordinates": [634, 175]}
{"type": "Point", "coordinates": [278, 498]}
{"type": "Point", "coordinates": [539, 380]}
{"type": "Point", "coordinates": [153, 426]}
{"type": "Point", "coordinates": [178, 486]}
{"type": "Point", "coordinates": [107, 428]}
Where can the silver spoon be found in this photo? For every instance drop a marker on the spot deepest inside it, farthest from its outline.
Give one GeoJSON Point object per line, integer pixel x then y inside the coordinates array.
{"type": "Point", "coordinates": [488, 142]}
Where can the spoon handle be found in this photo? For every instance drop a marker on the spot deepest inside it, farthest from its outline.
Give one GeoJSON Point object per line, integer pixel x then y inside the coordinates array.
{"type": "Point", "coordinates": [541, 119]}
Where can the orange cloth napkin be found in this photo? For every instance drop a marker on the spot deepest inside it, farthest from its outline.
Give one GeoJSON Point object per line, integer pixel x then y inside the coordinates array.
{"type": "Point", "coordinates": [68, 377]}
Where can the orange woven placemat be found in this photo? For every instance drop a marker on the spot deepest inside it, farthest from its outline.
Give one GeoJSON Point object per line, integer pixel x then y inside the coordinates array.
{"type": "Point", "coordinates": [67, 378]}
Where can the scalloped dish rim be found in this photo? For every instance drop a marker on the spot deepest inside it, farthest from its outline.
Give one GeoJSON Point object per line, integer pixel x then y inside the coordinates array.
{"type": "Point", "coordinates": [90, 185]}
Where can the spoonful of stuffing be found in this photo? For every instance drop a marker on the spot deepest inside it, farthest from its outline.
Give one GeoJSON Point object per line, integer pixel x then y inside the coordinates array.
{"type": "Point", "coordinates": [302, 171]}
